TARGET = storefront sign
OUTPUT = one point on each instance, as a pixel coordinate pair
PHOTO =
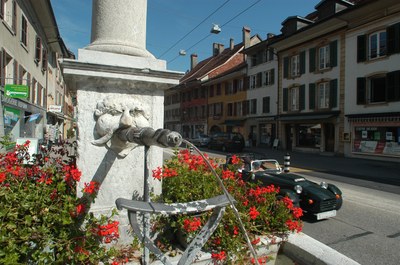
(16, 91)
(54, 108)
(14, 102)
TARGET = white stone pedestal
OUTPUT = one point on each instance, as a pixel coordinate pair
(95, 76)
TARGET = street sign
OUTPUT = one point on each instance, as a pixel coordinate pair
(16, 91)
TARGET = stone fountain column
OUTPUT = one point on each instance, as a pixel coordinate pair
(117, 82)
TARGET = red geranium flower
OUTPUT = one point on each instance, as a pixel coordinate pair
(221, 256)
(92, 187)
(253, 213)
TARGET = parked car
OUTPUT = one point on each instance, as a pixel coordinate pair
(201, 140)
(227, 142)
(320, 200)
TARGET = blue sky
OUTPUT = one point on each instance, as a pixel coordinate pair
(170, 20)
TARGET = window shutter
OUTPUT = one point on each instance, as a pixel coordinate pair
(15, 74)
(393, 86)
(361, 48)
(259, 79)
(14, 17)
(302, 62)
(1, 8)
(361, 90)
(246, 84)
(286, 67)
(311, 96)
(1, 70)
(302, 97)
(266, 104)
(272, 73)
(312, 59)
(393, 39)
(285, 99)
(333, 84)
(333, 53)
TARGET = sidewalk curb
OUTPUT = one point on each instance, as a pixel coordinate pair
(306, 250)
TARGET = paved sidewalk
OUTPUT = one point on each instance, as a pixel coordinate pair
(385, 172)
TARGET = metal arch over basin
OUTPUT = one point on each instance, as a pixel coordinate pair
(216, 205)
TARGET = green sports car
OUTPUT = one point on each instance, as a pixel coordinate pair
(321, 200)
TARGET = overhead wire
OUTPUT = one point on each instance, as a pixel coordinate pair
(198, 25)
(209, 34)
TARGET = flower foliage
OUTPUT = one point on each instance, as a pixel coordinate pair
(186, 177)
(41, 219)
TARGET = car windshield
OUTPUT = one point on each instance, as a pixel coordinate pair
(270, 165)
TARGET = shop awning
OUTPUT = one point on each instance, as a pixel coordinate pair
(233, 122)
(307, 117)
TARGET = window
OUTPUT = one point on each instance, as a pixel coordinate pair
(380, 43)
(294, 98)
(379, 88)
(253, 59)
(376, 89)
(218, 90)
(253, 79)
(377, 45)
(38, 49)
(323, 95)
(238, 108)
(269, 55)
(245, 107)
(24, 31)
(269, 77)
(211, 91)
(9, 14)
(253, 106)
(240, 85)
(266, 104)
(230, 110)
(295, 65)
(323, 57)
(229, 88)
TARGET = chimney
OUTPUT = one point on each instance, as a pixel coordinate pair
(217, 48)
(231, 44)
(193, 61)
(246, 37)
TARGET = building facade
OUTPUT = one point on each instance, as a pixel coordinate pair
(372, 81)
(30, 45)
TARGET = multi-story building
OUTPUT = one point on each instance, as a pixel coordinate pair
(311, 91)
(227, 101)
(262, 95)
(372, 80)
(172, 110)
(30, 77)
(194, 92)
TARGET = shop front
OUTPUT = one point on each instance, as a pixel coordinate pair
(22, 119)
(375, 134)
(312, 133)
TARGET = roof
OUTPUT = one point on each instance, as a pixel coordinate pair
(214, 62)
(45, 14)
(209, 64)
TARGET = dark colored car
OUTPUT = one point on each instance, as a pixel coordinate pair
(227, 142)
(321, 200)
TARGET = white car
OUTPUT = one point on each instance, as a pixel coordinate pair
(201, 140)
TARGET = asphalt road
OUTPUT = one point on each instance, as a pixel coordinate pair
(366, 229)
